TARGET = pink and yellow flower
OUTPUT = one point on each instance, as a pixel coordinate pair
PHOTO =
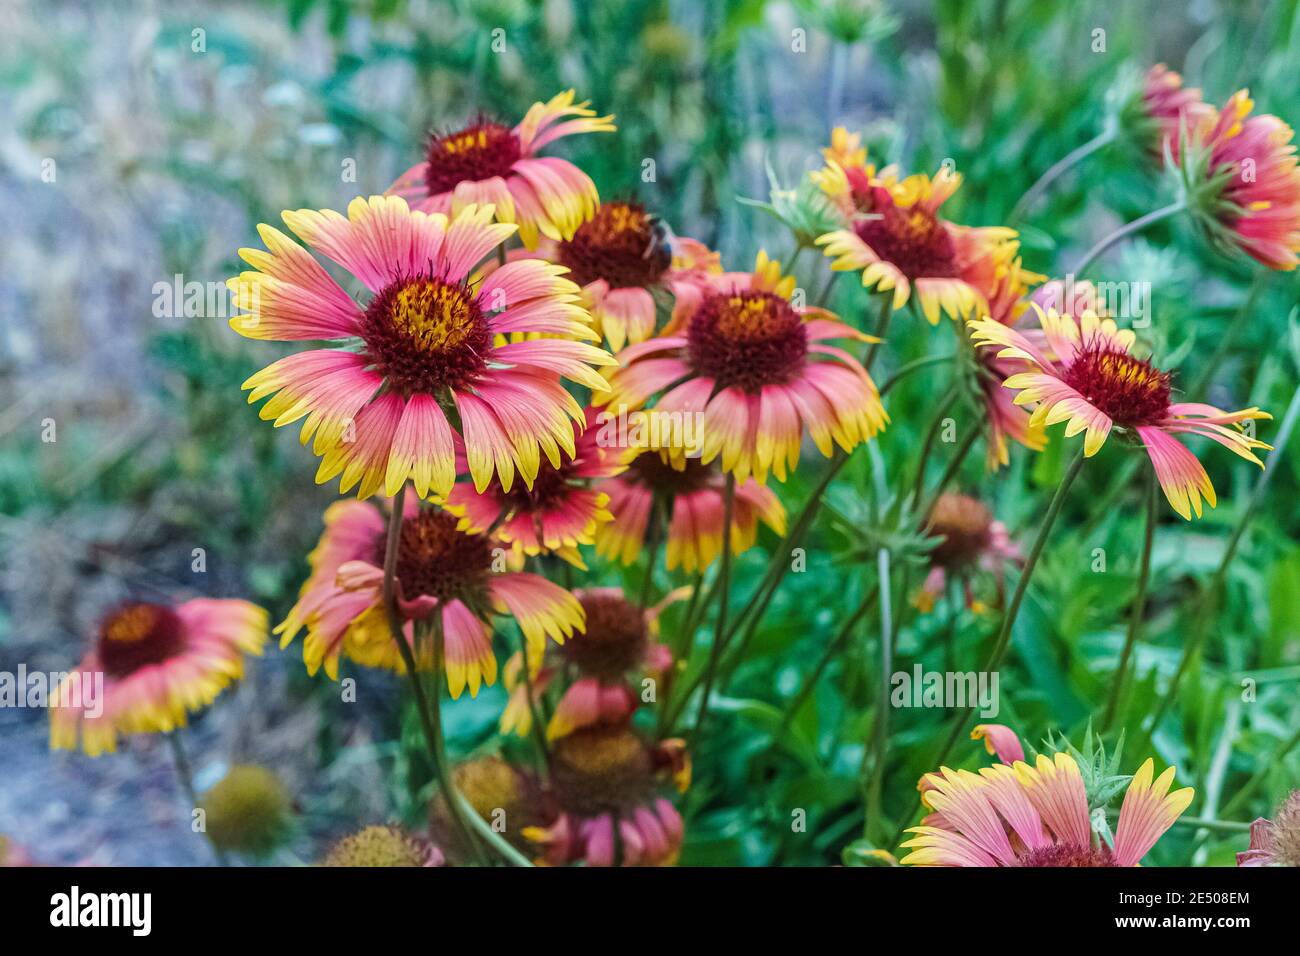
(1275, 842)
(158, 664)
(561, 510)
(489, 163)
(1082, 372)
(1165, 107)
(691, 495)
(1015, 814)
(1252, 181)
(620, 640)
(623, 258)
(440, 570)
(606, 781)
(758, 369)
(895, 237)
(376, 407)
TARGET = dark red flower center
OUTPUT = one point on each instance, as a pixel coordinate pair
(1068, 854)
(479, 151)
(615, 640)
(650, 469)
(425, 335)
(435, 559)
(621, 244)
(552, 486)
(139, 635)
(908, 236)
(1130, 391)
(601, 770)
(965, 527)
(747, 339)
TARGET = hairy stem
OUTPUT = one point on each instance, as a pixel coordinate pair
(1139, 605)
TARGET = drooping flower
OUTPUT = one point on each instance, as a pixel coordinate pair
(383, 846)
(1001, 740)
(895, 237)
(248, 811)
(158, 664)
(606, 779)
(620, 640)
(376, 407)
(1084, 373)
(1037, 816)
(692, 498)
(488, 162)
(439, 570)
(758, 369)
(969, 538)
(623, 258)
(562, 509)
(1275, 842)
(1161, 108)
(1242, 178)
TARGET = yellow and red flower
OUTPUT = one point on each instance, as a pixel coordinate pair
(895, 237)
(488, 162)
(439, 570)
(1243, 176)
(622, 258)
(421, 346)
(758, 369)
(159, 663)
(1015, 814)
(561, 510)
(692, 498)
(1082, 372)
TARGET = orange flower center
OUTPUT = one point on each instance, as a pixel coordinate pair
(1130, 391)
(964, 526)
(435, 559)
(615, 640)
(621, 244)
(139, 635)
(747, 339)
(479, 151)
(908, 236)
(601, 770)
(425, 335)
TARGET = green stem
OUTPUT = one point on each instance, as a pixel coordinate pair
(1242, 795)
(931, 434)
(720, 626)
(1058, 169)
(1013, 609)
(1229, 336)
(909, 368)
(882, 329)
(832, 649)
(880, 737)
(539, 730)
(1139, 605)
(950, 472)
(1126, 230)
(432, 733)
(1201, 622)
(758, 603)
(186, 777)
